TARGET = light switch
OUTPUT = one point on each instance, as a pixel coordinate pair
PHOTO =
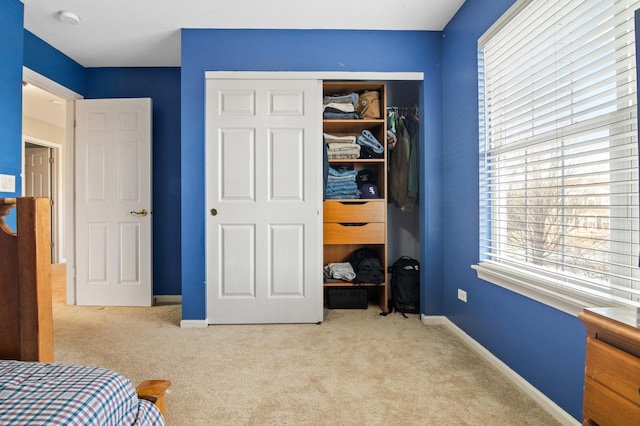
(7, 183)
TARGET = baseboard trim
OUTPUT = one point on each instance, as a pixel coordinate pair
(541, 399)
(194, 324)
(167, 299)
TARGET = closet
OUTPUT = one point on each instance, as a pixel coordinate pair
(263, 131)
(374, 222)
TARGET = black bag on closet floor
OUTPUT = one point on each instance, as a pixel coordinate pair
(405, 286)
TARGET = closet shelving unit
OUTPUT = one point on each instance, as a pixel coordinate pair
(352, 224)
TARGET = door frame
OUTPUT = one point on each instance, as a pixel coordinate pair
(70, 96)
(57, 183)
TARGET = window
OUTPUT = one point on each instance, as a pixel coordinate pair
(559, 153)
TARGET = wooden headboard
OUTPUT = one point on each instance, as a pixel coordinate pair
(26, 326)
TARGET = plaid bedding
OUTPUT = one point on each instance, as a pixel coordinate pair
(34, 393)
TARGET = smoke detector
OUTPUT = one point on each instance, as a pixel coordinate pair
(68, 18)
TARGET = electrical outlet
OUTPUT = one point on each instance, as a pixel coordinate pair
(462, 295)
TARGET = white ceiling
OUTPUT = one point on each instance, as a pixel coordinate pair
(44, 106)
(139, 33)
(143, 33)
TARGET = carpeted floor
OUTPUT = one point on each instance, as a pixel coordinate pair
(356, 368)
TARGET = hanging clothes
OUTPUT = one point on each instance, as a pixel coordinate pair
(412, 125)
(404, 162)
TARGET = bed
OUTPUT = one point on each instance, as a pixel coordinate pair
(33, 389)
(36, 393)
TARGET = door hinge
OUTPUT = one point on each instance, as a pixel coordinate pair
(51, 201)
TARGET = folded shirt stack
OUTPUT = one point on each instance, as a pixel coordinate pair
(342, 147)
(329, 138)
(341, 184)
(336, 151)
(340, 107)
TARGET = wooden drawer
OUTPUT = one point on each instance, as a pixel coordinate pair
(605, 407)
(366, 233)
(617, 370)
(359, 211)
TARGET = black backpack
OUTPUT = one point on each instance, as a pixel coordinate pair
(405, 286)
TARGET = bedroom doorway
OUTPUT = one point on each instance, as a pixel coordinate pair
(55, 102)
(67, 207)
(43, 139)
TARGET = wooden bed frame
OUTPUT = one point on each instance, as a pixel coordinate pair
(26, 313)
(26, 333)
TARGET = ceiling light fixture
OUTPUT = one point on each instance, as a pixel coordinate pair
(68, 18)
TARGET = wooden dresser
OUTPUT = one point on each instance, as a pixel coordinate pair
(612, 373)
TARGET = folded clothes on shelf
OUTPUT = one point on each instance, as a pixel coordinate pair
(340, 106)
(347, 98)
(339, 271)
(334, 115)
(341, 147)
(343, 171)
(329, 138)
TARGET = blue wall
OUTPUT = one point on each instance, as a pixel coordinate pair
(46, 60)
(302, 50)
(11, 17)
(543, 345)
(162, 85)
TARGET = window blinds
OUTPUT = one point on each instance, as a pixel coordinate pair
(559, 147)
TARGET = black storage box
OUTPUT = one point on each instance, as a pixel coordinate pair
(347, 298)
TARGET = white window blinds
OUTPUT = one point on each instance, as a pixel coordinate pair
(559, 148)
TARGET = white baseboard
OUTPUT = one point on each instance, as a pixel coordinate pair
(547, 404)
(168, 299)
(194, 324)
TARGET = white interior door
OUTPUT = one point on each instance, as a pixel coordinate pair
(38, 183)
(113, 202)
(264, 200)
(37, 172)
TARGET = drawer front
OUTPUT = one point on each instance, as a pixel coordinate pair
(617, 370)
(359, 211)
(368, 233)
(605, 407)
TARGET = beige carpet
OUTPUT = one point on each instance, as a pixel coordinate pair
(356, 368)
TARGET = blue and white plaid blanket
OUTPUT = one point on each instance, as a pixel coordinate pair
(33, 393)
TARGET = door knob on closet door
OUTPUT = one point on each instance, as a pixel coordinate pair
(142, 213)
(213, 212)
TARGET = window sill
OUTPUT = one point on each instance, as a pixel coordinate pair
(540, 290)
